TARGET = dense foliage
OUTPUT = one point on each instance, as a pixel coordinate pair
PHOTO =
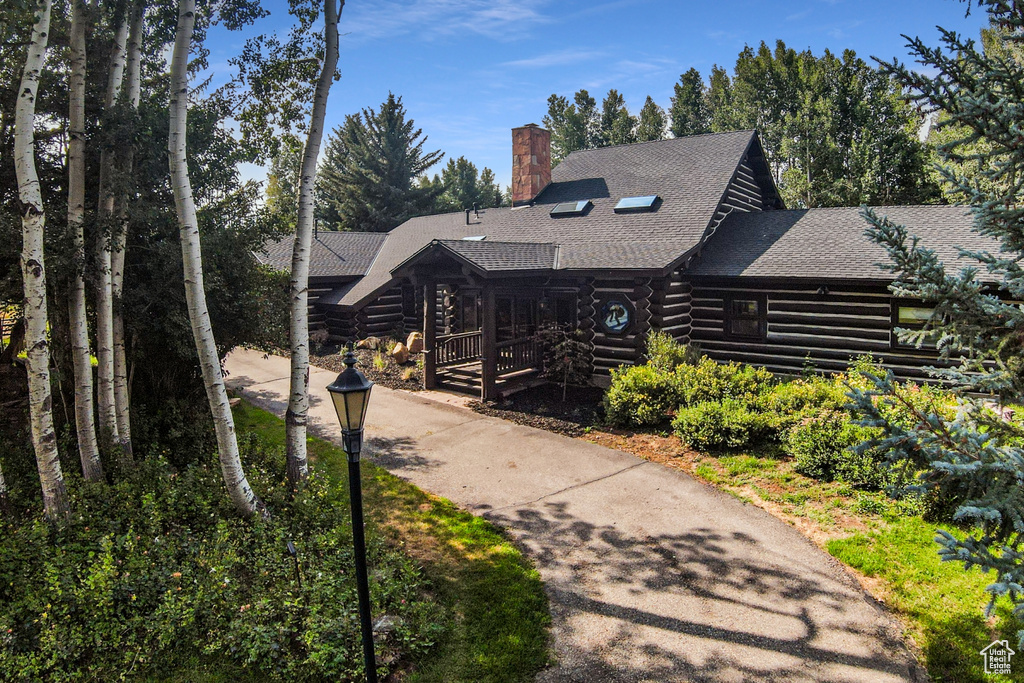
(461, 186)
(717, 407)
(836, 131)
(972, 456)
(157, 570)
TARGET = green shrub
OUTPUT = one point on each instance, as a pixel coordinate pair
(711, 381)
(787, 403)
(717, 425)
(665, 353)
(157, 570)
(822, 446)
(640, 395)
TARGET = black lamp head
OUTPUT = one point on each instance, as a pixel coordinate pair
(351, 395)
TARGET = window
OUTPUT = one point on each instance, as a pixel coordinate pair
(912, 315)
(645, 203)
(570, 208)
(746, 316)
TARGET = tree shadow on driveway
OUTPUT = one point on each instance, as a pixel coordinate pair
(699, 605)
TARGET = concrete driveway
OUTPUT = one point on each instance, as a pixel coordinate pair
(652, 576)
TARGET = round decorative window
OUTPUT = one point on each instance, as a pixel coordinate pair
(615, 315)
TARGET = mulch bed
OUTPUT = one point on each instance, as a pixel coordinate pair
(391, 375)
(543, 407)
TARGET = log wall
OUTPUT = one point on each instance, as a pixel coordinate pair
(828, 330)
(613, 350)
(671, 306)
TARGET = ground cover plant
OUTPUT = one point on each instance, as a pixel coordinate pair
(155, 577)
(793, 447)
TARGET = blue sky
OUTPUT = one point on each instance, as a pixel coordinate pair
(470, 70)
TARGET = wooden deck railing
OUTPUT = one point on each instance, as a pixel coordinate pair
(458, 348)
(519, 354)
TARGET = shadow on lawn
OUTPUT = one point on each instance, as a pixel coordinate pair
(692, 606)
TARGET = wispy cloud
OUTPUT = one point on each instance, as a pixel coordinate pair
(796, 16)
(428, 19)
(559, 58)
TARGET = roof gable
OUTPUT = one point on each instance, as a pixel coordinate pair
(690, 174)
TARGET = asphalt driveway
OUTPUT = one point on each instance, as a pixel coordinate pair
(652, 576)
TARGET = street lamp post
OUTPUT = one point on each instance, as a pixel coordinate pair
(351, 394)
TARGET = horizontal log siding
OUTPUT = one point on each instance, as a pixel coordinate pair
(317, 319)
(831, 329)
(612, 350)
(671, 306)
(382, 317)
(412, 308)
(341, 325)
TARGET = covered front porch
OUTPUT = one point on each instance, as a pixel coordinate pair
(481, 329)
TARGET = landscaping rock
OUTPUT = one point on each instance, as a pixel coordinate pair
(371, 343)
(415, 342)
(400, 353)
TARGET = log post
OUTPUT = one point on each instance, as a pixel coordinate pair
(429, 333)
(489, 345)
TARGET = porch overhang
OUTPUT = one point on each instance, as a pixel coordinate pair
(481, 259)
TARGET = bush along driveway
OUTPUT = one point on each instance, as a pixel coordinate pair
(651, 575)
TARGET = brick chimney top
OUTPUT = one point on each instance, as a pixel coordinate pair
(531, 162)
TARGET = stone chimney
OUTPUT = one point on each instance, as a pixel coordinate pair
(531, 162)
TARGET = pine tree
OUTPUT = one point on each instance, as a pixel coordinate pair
(689, 112)
(973, 461)
(651, 123)
(372, 161)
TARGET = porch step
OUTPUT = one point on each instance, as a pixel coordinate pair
(463, 386)
(462, 371)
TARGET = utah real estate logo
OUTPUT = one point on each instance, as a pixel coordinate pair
(997, 657)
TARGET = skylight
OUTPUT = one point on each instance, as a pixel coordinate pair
(645, 203)
(475, 238)
(570, 208)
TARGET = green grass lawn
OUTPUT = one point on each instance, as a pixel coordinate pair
(498, 612)
(942, 601)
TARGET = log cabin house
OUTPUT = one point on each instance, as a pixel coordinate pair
(687, 235)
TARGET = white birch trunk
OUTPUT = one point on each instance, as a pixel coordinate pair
(33, 221)
(88, 448)
(5, 503)
(122, 399)
(241, 493)
(104, 293)
(297, 416)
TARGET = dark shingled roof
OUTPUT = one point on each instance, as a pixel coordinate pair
(830, 243)
(690, 174)
(504, 256)
(334, 254)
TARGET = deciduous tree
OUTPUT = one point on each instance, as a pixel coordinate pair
(689, 111)
(651, 122)
(297, 415)
(33, 269)
(88, 447)
(241, 492)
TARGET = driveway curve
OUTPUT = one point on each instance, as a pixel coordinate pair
(651, 575)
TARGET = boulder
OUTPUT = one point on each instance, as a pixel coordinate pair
(415, 342)
(371, 343)
(400, 353)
